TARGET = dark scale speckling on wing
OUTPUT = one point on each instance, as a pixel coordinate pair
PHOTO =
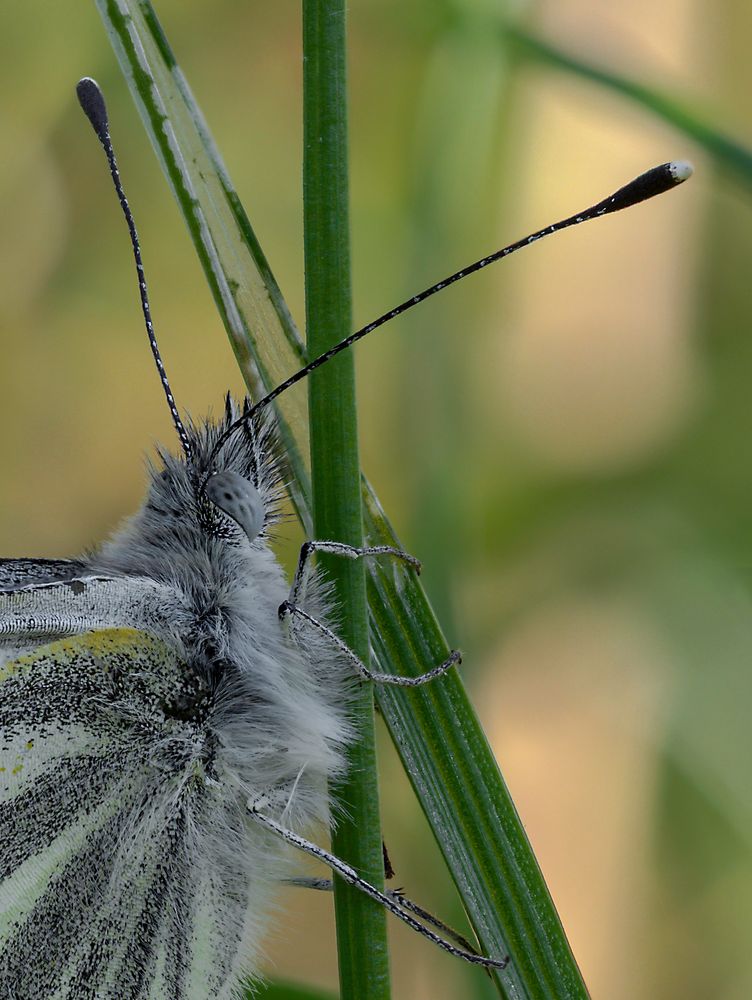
(24, 572)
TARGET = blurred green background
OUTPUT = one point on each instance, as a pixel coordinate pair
(562, 440)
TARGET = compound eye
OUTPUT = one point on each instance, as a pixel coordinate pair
(239, 499)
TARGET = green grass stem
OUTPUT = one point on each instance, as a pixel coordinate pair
(335, 474)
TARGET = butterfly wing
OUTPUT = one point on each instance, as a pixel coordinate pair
(109, 888)
(37, 610)
(22, 572)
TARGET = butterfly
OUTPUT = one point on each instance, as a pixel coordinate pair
(171, 712)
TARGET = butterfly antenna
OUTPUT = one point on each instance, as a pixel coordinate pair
(647, 185)
(91, 100)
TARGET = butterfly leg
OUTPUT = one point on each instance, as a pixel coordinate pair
(326, 885)
(394, 902)
(303, 571)
(291, 609)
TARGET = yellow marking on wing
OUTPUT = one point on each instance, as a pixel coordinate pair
(100, 643)
(103, 642)
(8, 670)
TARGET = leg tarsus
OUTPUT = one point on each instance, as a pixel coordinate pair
(394, 905)
(346, 552)
(288, 609)
(398, 895)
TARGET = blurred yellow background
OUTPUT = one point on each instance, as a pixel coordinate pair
(563, 440)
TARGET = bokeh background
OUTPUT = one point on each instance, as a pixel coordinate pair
(563, 440)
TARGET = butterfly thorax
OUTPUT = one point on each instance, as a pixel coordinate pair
(275, 709)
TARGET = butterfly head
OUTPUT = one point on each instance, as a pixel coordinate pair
(231, 493)
(239, 499)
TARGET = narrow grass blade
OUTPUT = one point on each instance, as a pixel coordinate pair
(262, 332)
(463, 794)
(726, 151)
(435, 730)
